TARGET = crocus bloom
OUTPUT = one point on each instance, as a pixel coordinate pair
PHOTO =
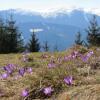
(90, 53)
(21, 71)
(65, 58)
(29, 70)
(47, 90)
(4, 76)
(51, 65)
(8, 69)
(76, 52)
(70, 57)
(25, 93)
(11, 66)
(68, 80)
(84, 58)
(73, 55)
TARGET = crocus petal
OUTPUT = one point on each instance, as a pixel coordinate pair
(51, 65)
(68, 80)
(4, 76)
(25, 93)
(84, 58)
(21, 71)
(29, 70)
(47, 90)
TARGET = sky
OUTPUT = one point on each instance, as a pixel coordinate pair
(50, 5)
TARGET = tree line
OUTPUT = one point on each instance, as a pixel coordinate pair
(93, 34)
(11, 40)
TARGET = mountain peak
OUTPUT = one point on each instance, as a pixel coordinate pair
(54, 12)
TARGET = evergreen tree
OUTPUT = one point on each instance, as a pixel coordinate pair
(2, 36)
(14, 37)
(33, 44)
(78, 40)
(93, 37)
(10, 37)
(46, 46)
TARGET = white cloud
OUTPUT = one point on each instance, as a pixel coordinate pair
(36, 30)
(50, 5)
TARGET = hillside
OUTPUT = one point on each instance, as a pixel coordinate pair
(70, 75)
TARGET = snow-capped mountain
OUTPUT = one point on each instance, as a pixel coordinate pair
(57, 27)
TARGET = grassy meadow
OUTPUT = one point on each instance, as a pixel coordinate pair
(50, 69)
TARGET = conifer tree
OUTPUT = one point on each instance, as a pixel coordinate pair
(93, 31)
(46, 46)
(33, 44)
(3, 39)
(10, 37)
(14, 37)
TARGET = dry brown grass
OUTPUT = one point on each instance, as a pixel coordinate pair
(85, 86)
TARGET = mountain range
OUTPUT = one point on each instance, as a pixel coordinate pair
(58, 28)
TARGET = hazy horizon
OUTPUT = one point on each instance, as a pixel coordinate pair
(50, 5)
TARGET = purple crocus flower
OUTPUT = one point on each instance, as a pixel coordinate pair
(85, 58)
(7, 68)
(65, 58)
(25, 93)
(11, 66)
(68, 80)
(73, 55)
(90, 54)
(9, 71)
(4, 76)
(21, 71)
(76, 52)
(51, 65)
(29, 70)
(70, 57)
(47, 90)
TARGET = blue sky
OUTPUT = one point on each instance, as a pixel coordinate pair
(46, 5)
